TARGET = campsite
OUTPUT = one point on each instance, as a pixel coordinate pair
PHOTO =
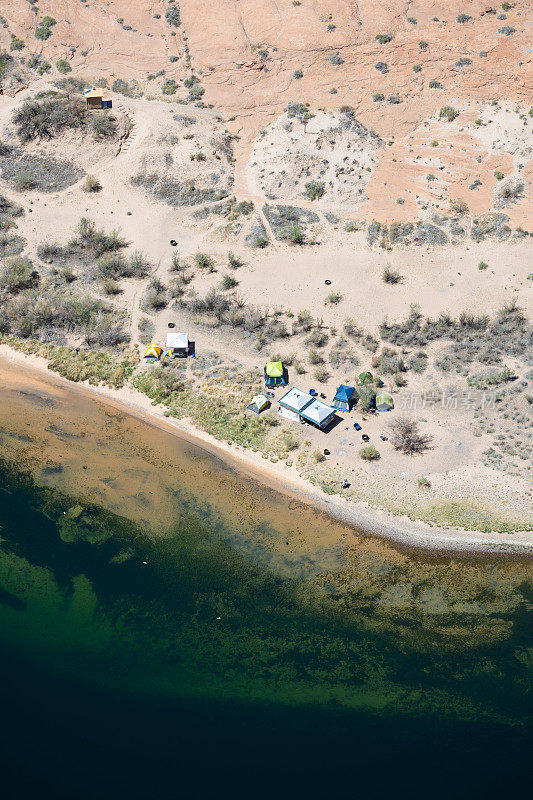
(266, 399)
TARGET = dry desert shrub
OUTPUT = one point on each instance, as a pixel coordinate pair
(406, 437)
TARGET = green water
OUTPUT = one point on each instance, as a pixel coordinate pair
(206, 673)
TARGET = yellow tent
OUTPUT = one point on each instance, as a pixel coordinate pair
(275, 374)
(153, 353)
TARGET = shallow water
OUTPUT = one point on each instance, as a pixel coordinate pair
(261, 645)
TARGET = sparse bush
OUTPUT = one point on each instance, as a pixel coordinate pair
(406, 437)
(234, 261)
(172, 15)
(462, 18)
(424, 483)
(423, 45)
(229, 282)
(399, 379)
(377, 97)
(97, 241)
(317, 338)
(42, 33)
(482, 265)
(369, 453)
(418, 362)
(499, 175)
(10, 244)
(63, 66)
(304, 320)
(334, 298)
(111, 287)
(314, 190)
(384, 38)
(448, 113)
(43, 118)
(156, 295)
(463, 62)
(204, 261)
(294, 233)
(127, 89)
(417, 68)
(315, 357)
(91, 184)
(18, 274)
(169, 86)
(297, 74)
(391, 275)
(435, 84)
(321, 374)
(318, 456)
(103, 125)
(458, 206)
(16, 43)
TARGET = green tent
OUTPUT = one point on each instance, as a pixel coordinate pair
(366, 377)
(275, 374)
(384, 402)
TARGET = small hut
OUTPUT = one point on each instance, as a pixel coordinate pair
(177, 345)
(93, 98)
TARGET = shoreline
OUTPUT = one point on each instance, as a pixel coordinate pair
(402, 531)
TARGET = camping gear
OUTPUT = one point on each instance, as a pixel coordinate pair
(326, 453)
(383, 437)
(312, 392)
(153, 353)
(275, 374)
(343, 397)
(357, 426)
(173, 242)
(384, 402)
(365, 437)
(177, 345)
(322, 395)
(366, 377)
(328, 283)
(171, 325)
(258, 404)
(345, 484)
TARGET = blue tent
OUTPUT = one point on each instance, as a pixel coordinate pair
(343, 397)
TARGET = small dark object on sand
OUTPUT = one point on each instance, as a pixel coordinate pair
(365, 437)
(345, 484)
(322, 395)
(173, 242)
(357, 426)
(328, 283)
(383, 437)
(171, 325)
(326, 452)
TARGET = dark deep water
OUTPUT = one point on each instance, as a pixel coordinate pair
(117, 678)
(339, 665)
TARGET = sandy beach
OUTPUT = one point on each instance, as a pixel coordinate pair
(279, 477)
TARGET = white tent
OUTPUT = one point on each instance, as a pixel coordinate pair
(295, 400)
(259, 403)
(318, 413)
(178, 341)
